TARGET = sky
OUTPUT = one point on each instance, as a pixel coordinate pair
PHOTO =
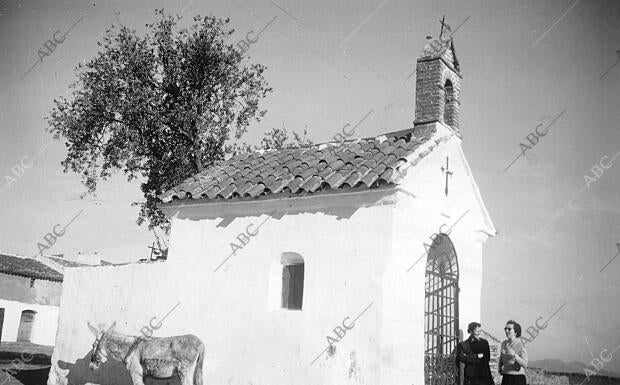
(330, 63)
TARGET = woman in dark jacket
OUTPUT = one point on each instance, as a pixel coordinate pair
(475, 355)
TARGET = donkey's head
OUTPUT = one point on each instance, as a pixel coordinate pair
(100, 353)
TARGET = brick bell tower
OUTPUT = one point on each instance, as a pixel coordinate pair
(438, 84)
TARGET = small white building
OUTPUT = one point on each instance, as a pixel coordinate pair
(344, 263)
(30, 291)
(29, 300)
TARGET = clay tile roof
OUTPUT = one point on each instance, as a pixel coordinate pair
(255, 191)
(28, 268)
(369, 179)
(334, 180)
(352, 180)
(358, 164)
(243, 189)
(293, 185)
(312, 184)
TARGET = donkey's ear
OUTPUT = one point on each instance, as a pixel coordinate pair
(93, 329)
(112, 326)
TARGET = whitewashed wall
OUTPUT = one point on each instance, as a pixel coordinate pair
(420, 210)
(43, 328)
(246, 339)
(357, 249)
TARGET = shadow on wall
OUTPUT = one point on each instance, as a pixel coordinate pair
(354, 203)
(112, 372)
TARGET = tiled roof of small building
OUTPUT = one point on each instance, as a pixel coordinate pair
(27, 267)
(359, 164)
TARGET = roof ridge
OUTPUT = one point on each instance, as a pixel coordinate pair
(254, 174)
(17, 255)
(318, 144)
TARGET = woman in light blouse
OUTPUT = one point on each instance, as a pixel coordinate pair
(513, 357)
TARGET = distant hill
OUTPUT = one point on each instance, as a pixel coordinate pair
(559, 366)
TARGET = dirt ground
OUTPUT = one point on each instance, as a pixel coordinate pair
(24, 363)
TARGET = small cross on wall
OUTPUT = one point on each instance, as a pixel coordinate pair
(448, 173)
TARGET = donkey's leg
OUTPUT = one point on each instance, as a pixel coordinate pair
(135, 371)
(137, 378)
(185, 374)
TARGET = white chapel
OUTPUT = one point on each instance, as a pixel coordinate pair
(344, 263)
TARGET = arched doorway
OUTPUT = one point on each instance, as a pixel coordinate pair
(441, 309)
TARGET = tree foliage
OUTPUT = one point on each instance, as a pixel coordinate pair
(278, 138)
(157, 107)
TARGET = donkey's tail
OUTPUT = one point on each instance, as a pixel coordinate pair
(198, 370)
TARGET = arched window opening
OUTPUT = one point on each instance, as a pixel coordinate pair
(25, 325)
(292, 281)
(448, 109)
(441, 320)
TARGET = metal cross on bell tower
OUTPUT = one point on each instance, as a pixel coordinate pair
(443, 23)
(448, 173)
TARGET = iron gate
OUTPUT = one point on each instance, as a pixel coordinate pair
(441, 309)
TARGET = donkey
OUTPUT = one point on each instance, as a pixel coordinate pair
(157, 357)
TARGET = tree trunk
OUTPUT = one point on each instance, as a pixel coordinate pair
(197, 155)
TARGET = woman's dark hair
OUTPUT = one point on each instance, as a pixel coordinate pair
(472, 326)
(516, 326)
